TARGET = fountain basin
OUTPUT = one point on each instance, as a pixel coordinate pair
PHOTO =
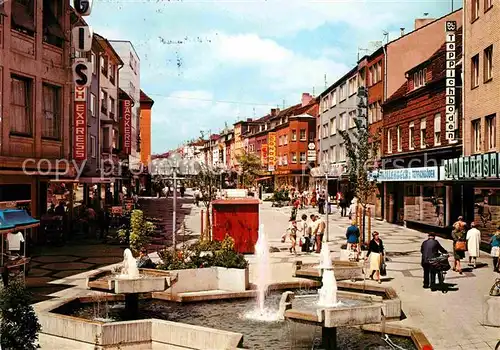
(344, 270)
(149, 281)
(354, 309)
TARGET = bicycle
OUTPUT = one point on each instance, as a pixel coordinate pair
(441, 265)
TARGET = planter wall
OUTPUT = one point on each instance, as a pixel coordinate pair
(210, 278)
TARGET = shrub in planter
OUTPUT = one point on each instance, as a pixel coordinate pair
(140, 232)
(19, 325)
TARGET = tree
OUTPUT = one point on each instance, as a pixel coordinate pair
(361, 147)
(19, 324)
(250, 165)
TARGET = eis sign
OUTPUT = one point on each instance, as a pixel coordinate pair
(82, 75)
(126, 126)
(451, 116)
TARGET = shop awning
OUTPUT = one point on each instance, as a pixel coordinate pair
(263, 178)
(16, 219)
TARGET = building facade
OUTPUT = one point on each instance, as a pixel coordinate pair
(35, 100)
(337, 113)
(416, 145)
(478, 169)
(130, 80)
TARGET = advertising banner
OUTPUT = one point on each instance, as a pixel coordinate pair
(80, 130)
(271, 151)
(126, 126)
(263, 154)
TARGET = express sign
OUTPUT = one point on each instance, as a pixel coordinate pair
(126, 126)
(80, 131)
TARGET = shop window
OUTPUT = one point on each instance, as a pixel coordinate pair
(423, 133)
(22, 17)
(411, 136)
(21, 106)
(425, 204)
(333, 126)
(389, 141)
(302, 157)
(491, 135)
(399, 139)
(302, 135)
(437, 129)
(474, 71)
(53, 33)
(51, 124)
(474, 10)
(476, 136)
(488, 63)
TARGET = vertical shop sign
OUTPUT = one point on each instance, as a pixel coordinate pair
(271, 155)
(126, 126)
(451, 116)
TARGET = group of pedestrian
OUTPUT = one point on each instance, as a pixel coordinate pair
(310, 232)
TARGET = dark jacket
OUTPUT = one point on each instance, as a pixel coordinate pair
(352, 234)
(431, 249)
(373, 247)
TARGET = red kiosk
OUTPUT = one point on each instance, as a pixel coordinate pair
(239, 218)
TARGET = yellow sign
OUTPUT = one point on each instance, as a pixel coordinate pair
(271, 151)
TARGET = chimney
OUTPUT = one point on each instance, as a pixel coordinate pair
(273, 112)
(402, 31)
(420, 22)
(249, 119)
(306, 98)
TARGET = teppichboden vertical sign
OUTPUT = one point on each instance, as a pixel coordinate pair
(82, 75)
(451, 115)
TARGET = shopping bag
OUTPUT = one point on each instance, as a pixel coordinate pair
(383, 268)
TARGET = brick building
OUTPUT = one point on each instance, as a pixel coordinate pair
(35, 99)
(478, 169)
(414, 124)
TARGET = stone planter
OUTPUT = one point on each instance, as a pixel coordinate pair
(209, 278)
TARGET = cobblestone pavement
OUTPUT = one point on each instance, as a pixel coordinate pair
(49, 264)
(450, 321)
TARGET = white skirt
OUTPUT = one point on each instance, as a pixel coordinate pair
(375, 261)
(495, 251)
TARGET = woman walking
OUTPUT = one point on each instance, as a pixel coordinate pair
(376, 254)
(495, 250)
(459, 243)
(473, 241)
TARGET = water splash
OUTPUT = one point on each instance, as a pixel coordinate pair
(263, 268)
(328, 292)
(129, 269)
(261, 313)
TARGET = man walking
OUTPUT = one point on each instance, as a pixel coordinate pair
(319, 232)
(430, 249)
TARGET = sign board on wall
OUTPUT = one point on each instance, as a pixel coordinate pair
(82, 38)
(82, 72)
(271, 155)
(451, 115)
(126, 126)
(82, 7)
(80, 130)
(408, 174)
(479, 166)
(263, 154)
